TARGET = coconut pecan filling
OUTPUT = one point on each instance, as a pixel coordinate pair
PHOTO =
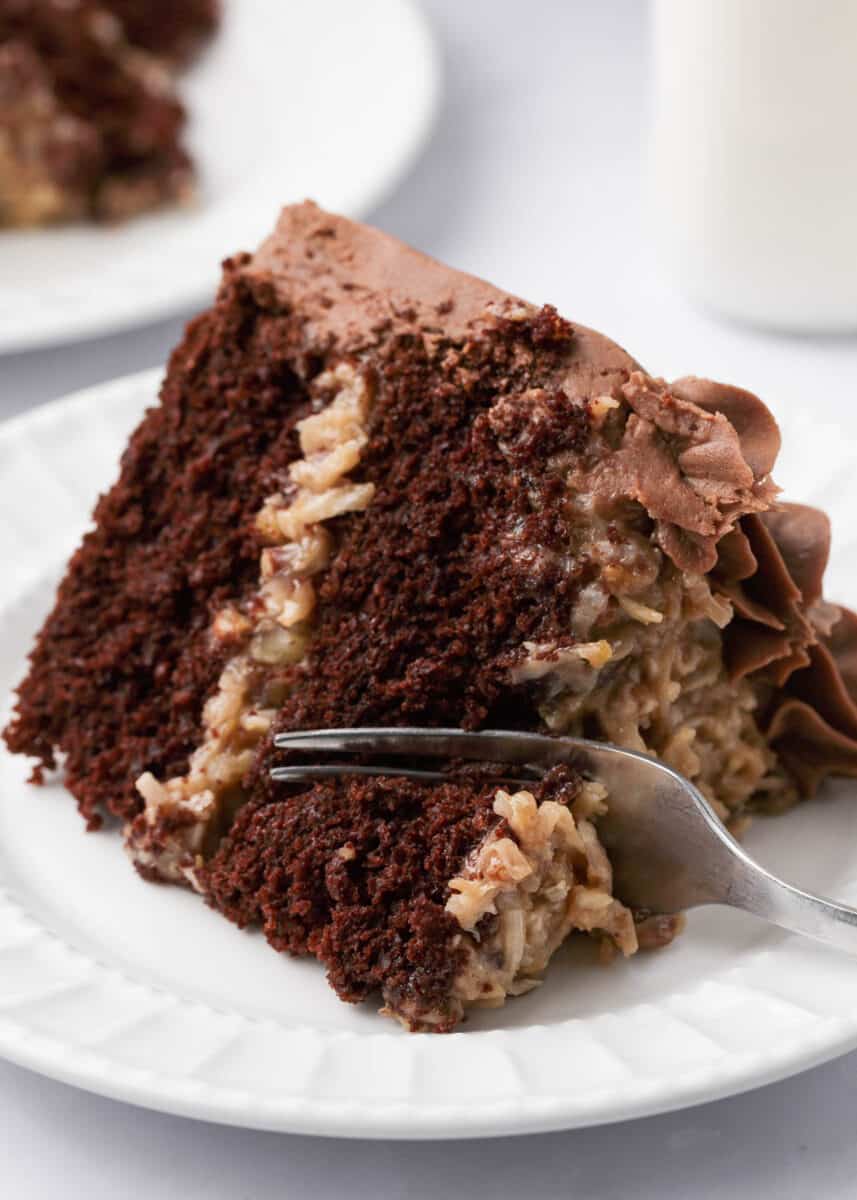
(656, 681)
(643, 665)
(540, 874)
(184, 817)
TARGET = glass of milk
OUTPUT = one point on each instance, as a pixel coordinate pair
(755, 157)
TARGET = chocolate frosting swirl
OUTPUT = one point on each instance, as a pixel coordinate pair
(693, 468)
(799, 651)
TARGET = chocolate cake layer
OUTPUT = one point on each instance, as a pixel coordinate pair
(378, 491)
(122, 667)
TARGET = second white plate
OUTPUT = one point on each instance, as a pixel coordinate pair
(328, 100)
(142, 993)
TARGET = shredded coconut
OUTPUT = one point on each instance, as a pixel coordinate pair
(562, 661)
(545, 877)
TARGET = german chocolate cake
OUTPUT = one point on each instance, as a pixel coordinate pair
(376, 491)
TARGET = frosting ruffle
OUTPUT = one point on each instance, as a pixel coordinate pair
(697, 457)
(799, 651)
(812, 720)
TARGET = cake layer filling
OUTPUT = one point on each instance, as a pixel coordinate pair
(268, 633)
(539, 875)
(662, 688)
(660, 483)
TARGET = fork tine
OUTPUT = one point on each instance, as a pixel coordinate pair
(486, 745)
(334, 770)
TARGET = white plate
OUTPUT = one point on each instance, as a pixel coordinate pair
(142, 993)
(326, 99)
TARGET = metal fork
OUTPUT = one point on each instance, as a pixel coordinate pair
(669, 850)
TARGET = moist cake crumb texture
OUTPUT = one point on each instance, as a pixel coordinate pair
(377, 491)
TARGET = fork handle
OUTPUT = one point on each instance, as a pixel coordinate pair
(765, 896)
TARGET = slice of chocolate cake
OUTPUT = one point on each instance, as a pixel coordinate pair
(90, 125)
(377, 491)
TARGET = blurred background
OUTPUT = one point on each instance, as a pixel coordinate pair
(573, 159)
(540, 174)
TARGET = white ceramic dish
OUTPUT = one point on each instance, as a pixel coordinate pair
(329, 100)
(142, 993)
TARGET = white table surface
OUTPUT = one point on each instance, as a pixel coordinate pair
(536, 179)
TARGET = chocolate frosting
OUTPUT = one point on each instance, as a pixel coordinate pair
(813, 720)
(688, 466)
(354, 285)
(697, 455)
(800, 651)
(351, 283)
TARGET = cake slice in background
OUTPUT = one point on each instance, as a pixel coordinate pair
(90, 123)
(378, 491)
